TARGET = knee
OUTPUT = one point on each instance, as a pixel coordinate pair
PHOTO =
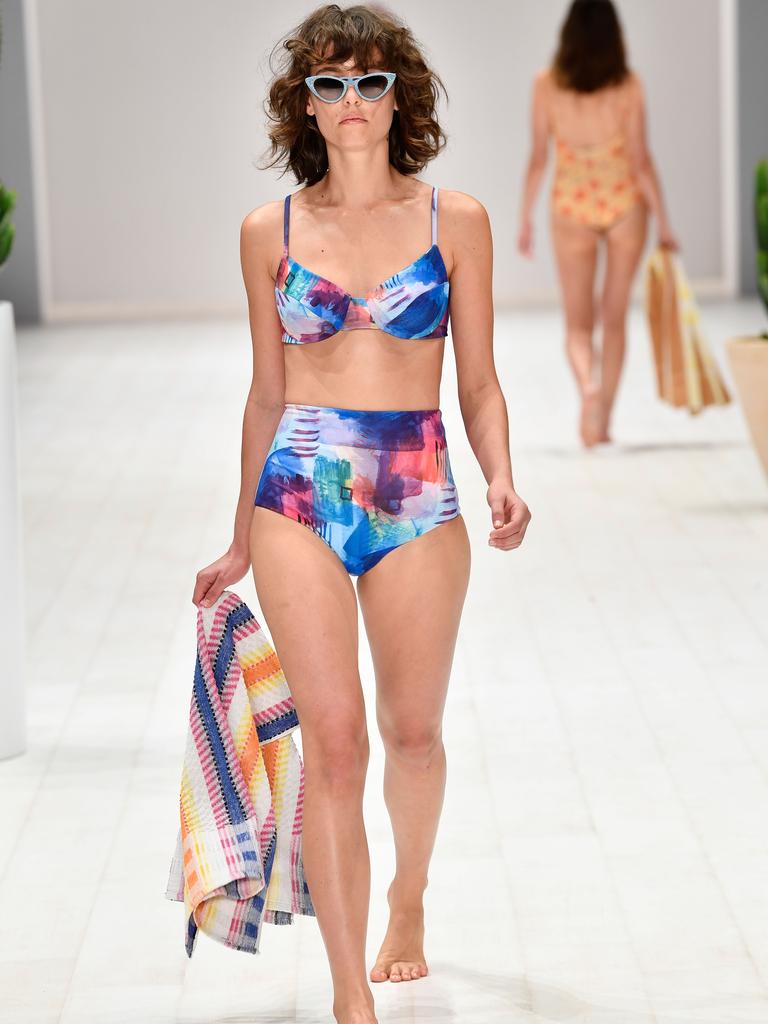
(412, 741)
(613, 316)
(337, 757)
(578, 333)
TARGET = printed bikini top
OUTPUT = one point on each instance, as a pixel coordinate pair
(413, 303)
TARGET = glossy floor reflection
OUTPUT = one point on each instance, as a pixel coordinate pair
(602, 854)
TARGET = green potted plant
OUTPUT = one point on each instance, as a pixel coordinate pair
(748, 357)
(7, 203)
(7, 230)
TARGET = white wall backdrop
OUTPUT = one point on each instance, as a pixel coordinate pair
(149, 120)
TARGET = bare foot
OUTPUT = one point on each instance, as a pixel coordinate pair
(591, 423)
(356, 1017)
(359, 1011)
(401, 957)
(604, 434)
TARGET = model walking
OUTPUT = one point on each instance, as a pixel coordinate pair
(344, 455)
(604, 185)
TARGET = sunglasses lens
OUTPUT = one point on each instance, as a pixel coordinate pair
(329, 89)
(373, 86)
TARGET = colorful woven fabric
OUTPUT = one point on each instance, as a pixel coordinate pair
(238, 860)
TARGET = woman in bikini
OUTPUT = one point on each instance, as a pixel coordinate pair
(604, 186)
(345, 467)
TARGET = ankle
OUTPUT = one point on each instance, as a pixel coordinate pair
(364, 1015)
(406, 894)
(353, 1004)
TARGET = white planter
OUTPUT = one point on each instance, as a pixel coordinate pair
(12, 616)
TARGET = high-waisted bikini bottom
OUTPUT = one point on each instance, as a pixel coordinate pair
(365, 481)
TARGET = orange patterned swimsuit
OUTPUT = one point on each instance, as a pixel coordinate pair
(593, 185)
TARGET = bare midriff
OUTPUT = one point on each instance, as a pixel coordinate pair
(365, 369)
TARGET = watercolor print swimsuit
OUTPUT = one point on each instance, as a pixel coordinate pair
(593, 185)
(365, 481)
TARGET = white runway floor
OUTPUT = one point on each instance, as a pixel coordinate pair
(603, 853)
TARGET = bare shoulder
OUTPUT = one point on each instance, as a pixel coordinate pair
(261, 235)
(543, 80)
(633, 85)
(260, 223)
(464, 225)
(463, 211)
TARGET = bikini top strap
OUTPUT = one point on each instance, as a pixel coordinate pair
(434, 214)
(286, 215)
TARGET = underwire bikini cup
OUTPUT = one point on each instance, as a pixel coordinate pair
(412, 303)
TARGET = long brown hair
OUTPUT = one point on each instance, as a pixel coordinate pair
(333, 33)
(591, 52)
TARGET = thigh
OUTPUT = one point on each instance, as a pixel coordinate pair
(411, 602)
(625, 242)
(575, 248)
(310, 607)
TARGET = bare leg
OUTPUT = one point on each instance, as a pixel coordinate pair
(625, 242)
(411, 603)
(576, 256)
(309, 604)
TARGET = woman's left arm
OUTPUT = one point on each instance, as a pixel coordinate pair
(643, 165)
(482, 403)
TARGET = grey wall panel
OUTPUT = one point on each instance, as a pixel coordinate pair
(152, 116)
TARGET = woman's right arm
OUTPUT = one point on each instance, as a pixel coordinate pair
(537, 162)
(642, 163)
(260, 235)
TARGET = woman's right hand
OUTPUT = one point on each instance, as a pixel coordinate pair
(525, 238)
(216, 577)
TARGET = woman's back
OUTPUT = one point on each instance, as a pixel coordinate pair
(589, 118)
(593, 183)
(590, 102)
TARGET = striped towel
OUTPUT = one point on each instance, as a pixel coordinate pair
(238, 852)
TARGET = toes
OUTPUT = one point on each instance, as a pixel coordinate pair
(417, 971)
(407, 972)
(399, 971)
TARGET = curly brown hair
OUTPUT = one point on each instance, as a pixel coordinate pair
(334, 33)
(591, 53)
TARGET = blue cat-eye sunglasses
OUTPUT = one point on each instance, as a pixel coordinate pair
(332, 88)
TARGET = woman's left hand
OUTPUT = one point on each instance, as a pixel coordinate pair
(509, 514)
(666, 239)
